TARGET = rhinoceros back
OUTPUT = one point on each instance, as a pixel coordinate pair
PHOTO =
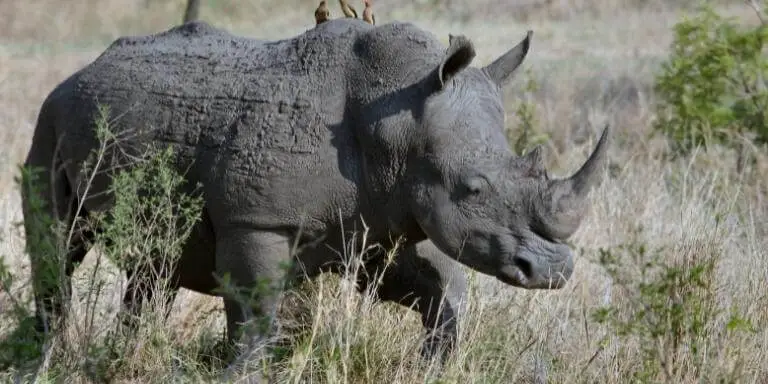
(260, 106)
(250, 119)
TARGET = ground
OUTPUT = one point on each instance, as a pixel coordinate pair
(594, 63)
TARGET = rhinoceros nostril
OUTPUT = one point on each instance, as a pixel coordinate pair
(524, 266)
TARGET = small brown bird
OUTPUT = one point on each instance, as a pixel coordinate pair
(322, 14)
(368, 13)
(347, 9)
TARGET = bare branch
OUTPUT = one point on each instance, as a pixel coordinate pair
(757, 8)
(192, 12)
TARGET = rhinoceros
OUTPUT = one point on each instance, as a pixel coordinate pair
(295, 141)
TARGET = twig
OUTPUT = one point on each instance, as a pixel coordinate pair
(591, 359)
(47, 354)
(756, 7)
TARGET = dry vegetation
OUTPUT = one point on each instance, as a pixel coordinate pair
(594, 62)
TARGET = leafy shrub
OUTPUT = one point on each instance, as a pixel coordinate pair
(713, 85)
(528, 135)
(151, 218)
(671, 311)
(151, 214)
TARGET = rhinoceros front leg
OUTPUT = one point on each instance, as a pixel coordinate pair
(426, 280)
(256, 263)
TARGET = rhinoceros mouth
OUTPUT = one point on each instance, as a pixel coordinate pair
(514, 276)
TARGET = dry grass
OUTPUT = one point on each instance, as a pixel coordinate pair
(594, 61)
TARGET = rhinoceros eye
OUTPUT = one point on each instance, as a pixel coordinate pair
(475, 184)
(540, 231)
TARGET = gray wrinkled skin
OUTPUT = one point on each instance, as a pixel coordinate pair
(293, 140)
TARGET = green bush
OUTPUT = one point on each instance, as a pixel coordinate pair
(145, 230)
(670, 310)
(527, 135)
(712, 88)
(152, 215)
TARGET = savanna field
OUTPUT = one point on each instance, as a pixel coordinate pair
(671, 259)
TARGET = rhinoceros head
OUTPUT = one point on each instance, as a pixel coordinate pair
(493, 211)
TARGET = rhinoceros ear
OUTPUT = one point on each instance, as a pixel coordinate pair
(458, 56)
(501, 69)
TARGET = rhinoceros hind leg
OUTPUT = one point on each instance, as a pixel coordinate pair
(51, 291)
(52, 297)
(257, 263)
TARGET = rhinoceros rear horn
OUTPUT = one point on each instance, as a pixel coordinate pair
(568, 196)
(501, 69)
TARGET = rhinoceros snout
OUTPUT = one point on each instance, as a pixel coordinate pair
(524, 273)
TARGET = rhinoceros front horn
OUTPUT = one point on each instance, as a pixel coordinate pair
(568, 196)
